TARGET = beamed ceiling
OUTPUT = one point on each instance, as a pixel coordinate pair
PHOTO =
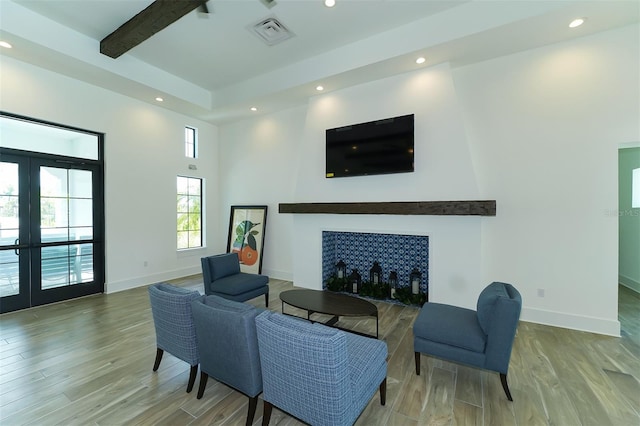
(210, 66)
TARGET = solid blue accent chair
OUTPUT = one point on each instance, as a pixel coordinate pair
(222, 277)
(482, 338)
(175, 331)
(319, 374)
(228, 346)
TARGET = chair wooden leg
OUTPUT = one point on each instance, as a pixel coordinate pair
(253, 403)
(505, 386)
(192, 377)
(266, 299)
(383, 392)
(159, 354)
(266, 415)
(203, 383)
(417, 354)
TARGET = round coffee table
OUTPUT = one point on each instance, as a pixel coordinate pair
(327, 302)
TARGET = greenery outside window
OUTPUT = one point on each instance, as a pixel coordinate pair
(190, 136)
(189, 212)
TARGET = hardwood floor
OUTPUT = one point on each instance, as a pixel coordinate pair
(88, 362)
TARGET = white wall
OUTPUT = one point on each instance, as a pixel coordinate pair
(538, 131)
(545, 126)
(144, 152)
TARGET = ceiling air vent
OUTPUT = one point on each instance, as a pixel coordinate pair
(271, 31)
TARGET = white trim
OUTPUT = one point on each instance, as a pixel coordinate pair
(573, 322)
(278, 275)
(630, 283)
(114, 287)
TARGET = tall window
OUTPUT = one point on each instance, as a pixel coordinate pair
(190, 136)
(189, 212)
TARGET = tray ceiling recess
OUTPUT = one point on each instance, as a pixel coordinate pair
(158, 16)
(153, 19)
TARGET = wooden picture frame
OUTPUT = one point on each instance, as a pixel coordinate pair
(247, 226)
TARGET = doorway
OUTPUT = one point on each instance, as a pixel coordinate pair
(51, 216)
(629, 239)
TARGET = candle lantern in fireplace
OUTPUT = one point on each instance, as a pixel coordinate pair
(393, 284)
(341, 269)
(415, 278)
(354, 282)
(375, 274)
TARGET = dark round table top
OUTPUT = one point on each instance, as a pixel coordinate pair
(327, 302)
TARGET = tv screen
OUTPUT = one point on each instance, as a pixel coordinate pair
(373, 148)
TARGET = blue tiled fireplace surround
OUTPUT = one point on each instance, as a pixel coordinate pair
(394, 252)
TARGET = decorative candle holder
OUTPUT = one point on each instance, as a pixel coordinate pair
(375, 273)
(414, 280)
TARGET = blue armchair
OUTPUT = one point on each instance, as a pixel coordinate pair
(228, 346)
(321, 375)
(173, 321)
(222, 277)
(482, 338)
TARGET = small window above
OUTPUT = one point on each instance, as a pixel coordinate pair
(190, 142)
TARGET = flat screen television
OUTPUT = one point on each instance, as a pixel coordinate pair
(374, 148)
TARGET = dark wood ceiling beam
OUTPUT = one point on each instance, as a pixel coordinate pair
(154, 18)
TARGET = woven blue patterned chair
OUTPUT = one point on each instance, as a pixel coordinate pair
(222, 277)
(228, 346)
(482, 338)
(173, 321)
(321, 375)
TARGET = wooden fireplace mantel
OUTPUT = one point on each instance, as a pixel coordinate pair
(439, 208)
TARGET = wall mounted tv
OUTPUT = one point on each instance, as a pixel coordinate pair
(374, 148)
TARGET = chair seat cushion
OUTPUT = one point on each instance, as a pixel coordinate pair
(367, 366)
(450, 325)
(239, 283)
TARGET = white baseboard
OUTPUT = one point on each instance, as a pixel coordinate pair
(629, 283)
(116, 286)
(279, 275)
(573, 322)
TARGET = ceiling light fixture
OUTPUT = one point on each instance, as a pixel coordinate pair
(420, 60)
(159, 99)
(329, 3)
(5, 44)
(319, 88)
(254, 109)
(577, 22)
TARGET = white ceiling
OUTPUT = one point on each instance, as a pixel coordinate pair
(213, 68)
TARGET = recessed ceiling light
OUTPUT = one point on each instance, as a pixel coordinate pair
(420, 60)
(159, 99)
(5, 44)
(254, 109)
(319, 88)
(577, 22)
(329, 3)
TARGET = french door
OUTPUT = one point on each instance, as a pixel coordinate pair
(51, 232)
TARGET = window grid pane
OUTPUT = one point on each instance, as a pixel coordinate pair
(190, 142)
(189, 217)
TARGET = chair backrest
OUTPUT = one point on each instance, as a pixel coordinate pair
(498, 309)
(227, 342)
(219, 266)
(305, 368)
(173, 320)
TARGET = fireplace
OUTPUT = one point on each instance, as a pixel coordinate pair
(403, 254)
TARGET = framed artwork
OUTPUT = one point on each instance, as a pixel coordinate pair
(246, 236)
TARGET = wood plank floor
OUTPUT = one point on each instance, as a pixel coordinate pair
(88, 362)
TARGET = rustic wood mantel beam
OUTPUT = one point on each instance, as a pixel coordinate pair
(154, 18)
(440, 208)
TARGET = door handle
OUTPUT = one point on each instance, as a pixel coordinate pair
(17, 243)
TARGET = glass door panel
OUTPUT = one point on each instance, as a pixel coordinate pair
(14, 233)
(9, 228)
